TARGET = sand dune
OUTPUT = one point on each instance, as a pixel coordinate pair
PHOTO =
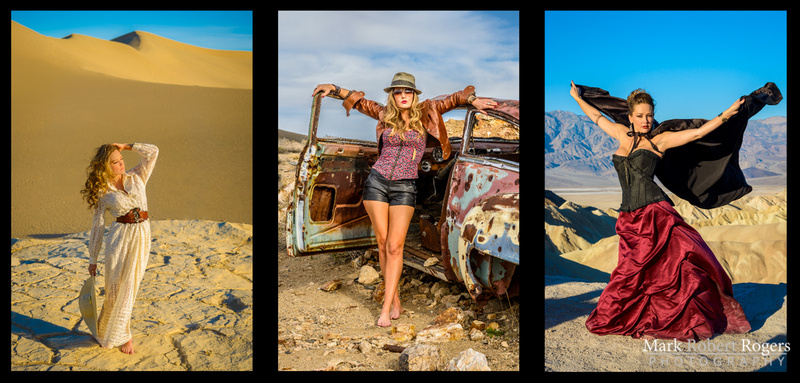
(746, 211)
(573, 227)
(748, 236)
(68, 96)
(139, 56)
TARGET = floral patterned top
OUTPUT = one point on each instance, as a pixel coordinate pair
(400, 159)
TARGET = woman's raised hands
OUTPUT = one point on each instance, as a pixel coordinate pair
(574, 91)
(324, 88)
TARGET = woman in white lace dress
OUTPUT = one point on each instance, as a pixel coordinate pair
(127, 246)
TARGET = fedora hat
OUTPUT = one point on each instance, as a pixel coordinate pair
(402, 80)
(87, 301)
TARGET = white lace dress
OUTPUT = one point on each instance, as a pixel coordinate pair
(127, 249)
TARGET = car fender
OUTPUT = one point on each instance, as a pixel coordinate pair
(492, 229)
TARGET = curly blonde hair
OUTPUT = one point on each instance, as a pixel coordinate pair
(98, 174)
(393, 119)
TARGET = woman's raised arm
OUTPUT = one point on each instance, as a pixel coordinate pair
(611, 128)
(330, 89)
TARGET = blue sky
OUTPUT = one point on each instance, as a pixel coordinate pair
(694, 64)
(445, 51)
(228, 30)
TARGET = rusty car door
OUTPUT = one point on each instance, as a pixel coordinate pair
(326, 211)
(480, 234)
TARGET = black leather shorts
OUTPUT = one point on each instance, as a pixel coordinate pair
(399, 192)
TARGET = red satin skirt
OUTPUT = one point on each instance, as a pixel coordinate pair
(667, 283)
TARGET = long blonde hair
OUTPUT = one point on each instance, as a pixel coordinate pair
(393, 119)
(98, 174)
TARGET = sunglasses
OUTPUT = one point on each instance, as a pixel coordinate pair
(399, 91)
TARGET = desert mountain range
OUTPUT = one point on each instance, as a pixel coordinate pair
(70, 95)
(578, 153)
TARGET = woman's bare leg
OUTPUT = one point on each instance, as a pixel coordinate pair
(379, 216)
(399, 219)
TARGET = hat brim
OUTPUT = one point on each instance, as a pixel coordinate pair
(400, 83)
(389, 89)
(87, 302)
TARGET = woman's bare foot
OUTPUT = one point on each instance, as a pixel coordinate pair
(396, 309)
(384, 320)
(127, 347)
(394, 313)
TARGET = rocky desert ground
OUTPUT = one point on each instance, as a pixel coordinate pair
(336, 330)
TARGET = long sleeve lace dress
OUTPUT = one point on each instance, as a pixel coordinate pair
(127, 249)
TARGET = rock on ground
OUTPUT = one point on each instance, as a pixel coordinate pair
(420, 357)
(469, 360)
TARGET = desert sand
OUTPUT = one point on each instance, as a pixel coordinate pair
(70, 95)
(748, 237)
(194, 310)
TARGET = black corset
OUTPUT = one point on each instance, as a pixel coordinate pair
(636, 178)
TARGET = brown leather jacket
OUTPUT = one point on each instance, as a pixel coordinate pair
(432, 111)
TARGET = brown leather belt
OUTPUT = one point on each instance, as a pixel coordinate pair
(133, 216)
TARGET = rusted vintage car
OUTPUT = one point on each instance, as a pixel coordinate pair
(467, 214)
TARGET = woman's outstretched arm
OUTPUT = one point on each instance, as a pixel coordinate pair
(611, 128)
(670, 140)
(350, 98)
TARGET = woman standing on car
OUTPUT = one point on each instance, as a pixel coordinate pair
(404, 127)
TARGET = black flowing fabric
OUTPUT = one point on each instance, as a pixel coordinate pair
(705, 172)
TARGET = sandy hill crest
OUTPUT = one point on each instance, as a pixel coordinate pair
(153, 58)
(748, 237)
(131, 39)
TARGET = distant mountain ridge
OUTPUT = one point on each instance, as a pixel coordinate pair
(578, 153)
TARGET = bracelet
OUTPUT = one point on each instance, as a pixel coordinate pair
(337, 89)
(471, 98)
(597, 120)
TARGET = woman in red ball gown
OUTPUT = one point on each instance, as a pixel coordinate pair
(667, 284)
